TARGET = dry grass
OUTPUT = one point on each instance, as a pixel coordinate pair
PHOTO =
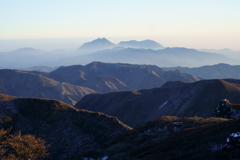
(21, 147)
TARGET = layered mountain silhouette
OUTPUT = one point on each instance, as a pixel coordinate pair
(119, 75)
(68, 130)
(27, 50)
(147, 44)
(69, 84)
(96, 45)
(101, 49)
(167, 57)
(218, 71)
(227, 52)
(174, 98)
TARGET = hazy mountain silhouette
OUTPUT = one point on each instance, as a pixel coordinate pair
(27, 49)
(147, 44)
(174, 98)
(68, 130)
(103, 50)
(227, 52)
(218, 71)
(168, 57)
(39, 69)
(96, 45)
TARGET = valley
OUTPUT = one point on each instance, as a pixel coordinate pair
(126, 101)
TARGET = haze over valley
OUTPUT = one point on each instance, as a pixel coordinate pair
(134, 52)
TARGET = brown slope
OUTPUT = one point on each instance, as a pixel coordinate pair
(173, 138)
(105, 84)
(29, 84)
(67, 129)
(172, 99)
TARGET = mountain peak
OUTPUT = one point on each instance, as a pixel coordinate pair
(147, 44)
(96, 45)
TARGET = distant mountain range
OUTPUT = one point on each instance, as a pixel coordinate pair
(101, 49)
(68, 130)
(175, 98)
(227, 52)
(146, 44)
(39, 69)
(69, 84)
(218, 71)
(27, 49)
(168, 57)
(123, 74)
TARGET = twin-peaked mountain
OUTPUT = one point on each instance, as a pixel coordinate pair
(178, 98)
(101, 49)
(103, 43)
(69, 84)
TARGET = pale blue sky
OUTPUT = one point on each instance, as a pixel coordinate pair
(184, 23)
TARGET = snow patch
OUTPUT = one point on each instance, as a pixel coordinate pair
(104, 158)
(235, 134)
(163, 104)
(177, 123)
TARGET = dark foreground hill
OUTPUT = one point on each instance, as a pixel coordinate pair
(171, 138)
(175, 98)
(68, 130)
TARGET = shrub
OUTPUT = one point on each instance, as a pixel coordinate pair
(21, 147)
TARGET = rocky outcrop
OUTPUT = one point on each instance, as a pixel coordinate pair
(226, 109)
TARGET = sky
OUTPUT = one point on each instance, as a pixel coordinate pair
(55, 24)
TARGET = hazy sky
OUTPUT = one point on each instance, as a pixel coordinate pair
(181, 23)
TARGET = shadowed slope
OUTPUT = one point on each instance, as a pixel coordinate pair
(172, 99)
(173, 138)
